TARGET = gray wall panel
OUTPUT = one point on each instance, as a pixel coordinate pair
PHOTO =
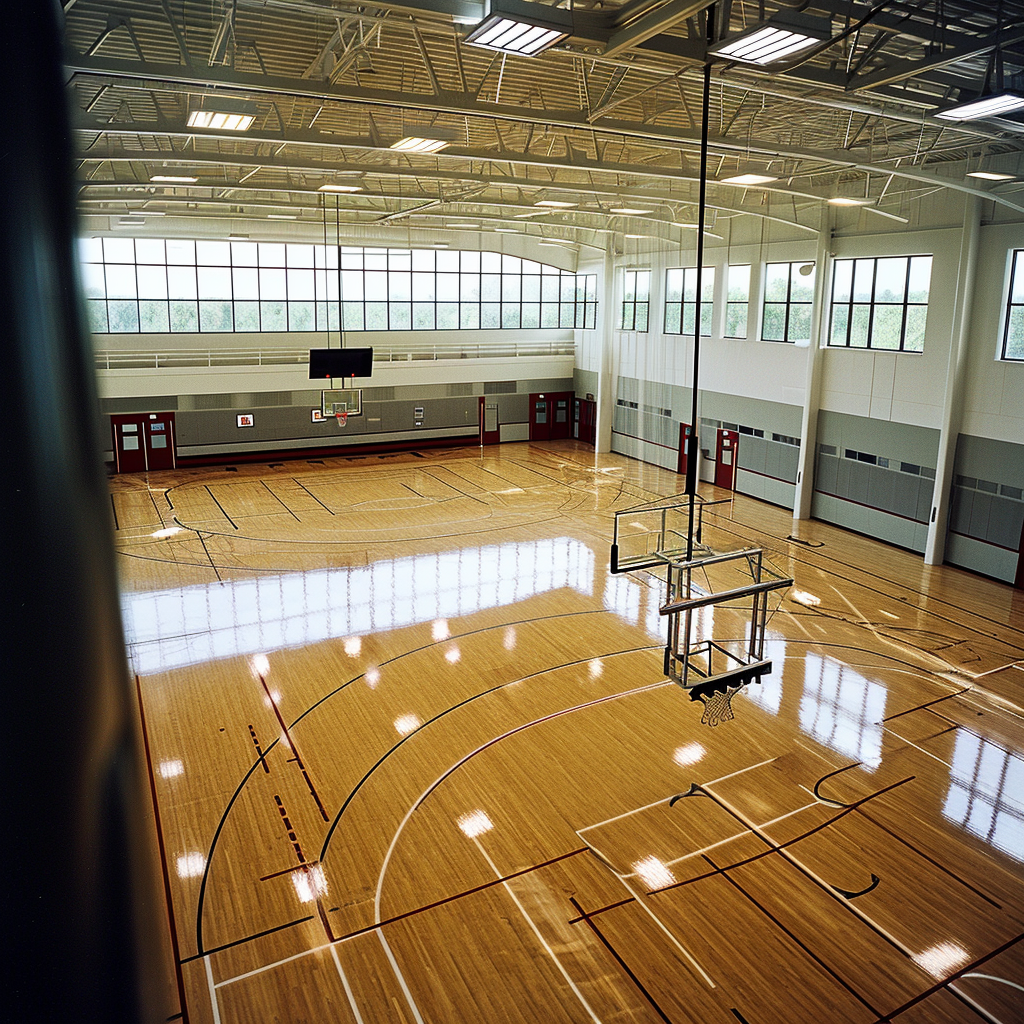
(979, 516)
(826, 474)
(1004, 522)
(882, 489)
(905, 493)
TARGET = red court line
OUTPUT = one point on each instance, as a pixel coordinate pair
(163, 859)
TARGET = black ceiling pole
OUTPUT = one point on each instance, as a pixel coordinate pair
(693, 444)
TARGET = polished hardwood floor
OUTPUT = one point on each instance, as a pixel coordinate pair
(414, 757)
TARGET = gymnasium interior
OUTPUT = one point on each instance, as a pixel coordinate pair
(515, 511)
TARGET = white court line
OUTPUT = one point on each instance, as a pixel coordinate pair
(992, 977)
(400, 977)
(910, 743)
(348, 988)
(647, 807)
(977, 1007)
(270, 967)
(540, 938)
(213, 990)
(651, 914)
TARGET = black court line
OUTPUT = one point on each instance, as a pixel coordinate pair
(414, 491)
(213, 564)
(618, 959)
(248, 938)
(179, 976)
(955, 976)
(220, 506)
(280, 502)
(114, 508)
(156, 508)
(922, 707)
(311, 494)
(724, 872)
(458, 490)
(739, 1016)
(245, 778)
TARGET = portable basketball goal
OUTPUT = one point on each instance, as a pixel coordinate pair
(660, 539)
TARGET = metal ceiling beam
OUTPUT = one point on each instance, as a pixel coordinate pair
(904, 69)
(653, 24)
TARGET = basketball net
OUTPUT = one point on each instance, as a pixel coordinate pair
(718, 706)
(342, 418)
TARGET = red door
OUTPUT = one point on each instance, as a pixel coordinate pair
(725, 467)
(684, 441)
(143, 441)
(540, 418)
(583, 419)
(489, 430)
(561, 425)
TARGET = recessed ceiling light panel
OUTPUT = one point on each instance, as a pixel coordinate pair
(847, 201)
(748, 179)
(985, 106)
(340, 188)
(526, 29)
(173, 179)
(556, 204)
(415, 144)
(990, 176)
(779, 38)
(627, 210)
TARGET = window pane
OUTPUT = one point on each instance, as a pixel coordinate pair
(352, 285)
(90, 250)
(181, 253)
(119, 250)
(120, 282)
(422, 315)
(299, 255)
(447, 262)
(97, 309)
(247, 316)
(705, 319)
(774, 327)
(920, 277)
(510, 288)
(891, 280)
(448, 287)
(470, 262)
(643, 284)
(150, 250)
(300, 316)
(840, 322)
(776, 283)
(214, 283)
(273, 316)
(510, 316)
(490, 313)
(469, 287)
(887, 326)
(423, 259)
(215, 316)
(842, 280)
(549, 316)
(153, 316)
(801, 288)
(531, 288)
(184, 316)
(799, 322)
(352, 314)
(531, 314)
(423, 287)
(272, 285)
(399, 259)
(567, 314)
(469, 316)
(689, 310)
(448, 316)
(246, 283)
(93, 281)
(641, 317)
(672, 317)
(490, 262)
(400, 316)
(590, 319)
(271, 254)
(300, 284)
(399, 286)
(863, 275)
(490, 287)
(736, 320)
(376, 316)
(244, 254)
(152, 282)
(213, 254)
(181, 282)
(859, 326)
(567, 288)
(673, 285)
(738, 283)
(914, 339)
(333, 315)
(124, 316)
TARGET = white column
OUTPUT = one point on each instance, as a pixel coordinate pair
(608, 311)
(812, 379)
(956, 371)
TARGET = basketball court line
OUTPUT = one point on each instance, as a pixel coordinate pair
(540, 938)
(348, 988)
(213, 990)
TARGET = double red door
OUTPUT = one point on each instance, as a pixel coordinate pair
(143, 441)
(549, 416)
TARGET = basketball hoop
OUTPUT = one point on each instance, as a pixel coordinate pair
(342, 418)
(717, 705)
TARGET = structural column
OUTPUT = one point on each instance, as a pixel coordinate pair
(956, 372)
(606, 374)
(812, 381)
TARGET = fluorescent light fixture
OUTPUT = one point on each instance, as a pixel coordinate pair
(282, 216)
(131, 222)
(509, 231)
(463, 227)
(779, 38)
(173, 179)
(636, 236)
(340, 188)
(438, 245)
(534, 213)
(415, 144)
(748, 179)
(556, 204)
(847, 201)
(513, 26)
(238, 238)
(984, 106)
(217, 120)
(990, 176)
(627, 210)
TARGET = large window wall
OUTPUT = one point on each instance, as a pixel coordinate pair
(145, 286)
(1013, 325)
